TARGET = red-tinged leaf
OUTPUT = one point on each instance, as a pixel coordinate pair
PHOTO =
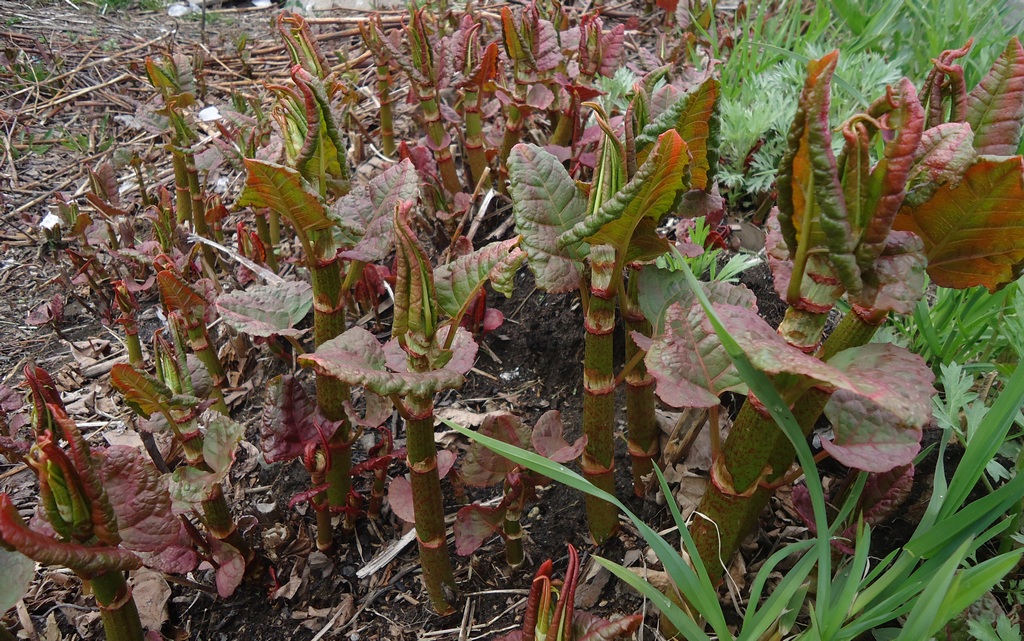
(819, 288)
(539, 97)
(282, 190)
(612, 46)
(84, 560)
(885, 492)
(812, 209)
(415, 295)
(482, 467)
(400, 499)
(493, 319)
(287, 420)
(548, 441)
(145, 394)
(176, 294)
(458, 281)
(17, 570)
(688, 361)
(995, 108)
(867, 436)
(587, 627)
(945, 154)
(652, 192)
(138, 493)
(474, 524)
(695, 117)
(889, 177)
(668, 5)
(660, 288)
(545, 203)
(267, 310)
(230, 567)
(973, 233)
(357, 358)
(103, 183)
(896, 280)
(364, 217)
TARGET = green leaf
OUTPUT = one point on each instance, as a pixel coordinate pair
(17, 570)
(695, 117)
(190, 485)
(458, 281)
(974, 233)
(282, 190)
(357, 358)
(995, 108)
(267, 310)
(545, 203)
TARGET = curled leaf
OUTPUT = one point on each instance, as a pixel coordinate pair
(995, 108)
(458, 281)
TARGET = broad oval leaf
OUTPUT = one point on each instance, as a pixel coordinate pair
(400, 499)
(282, 190)
(867, 436)
(548, 441)
(974, 233)
(546, 203)
(230, 567)
(482, 467)
(689, 363)
(358, 358)
(660, 288)
(995, 108)
(458, 281)
(138, 493)
(267, 310)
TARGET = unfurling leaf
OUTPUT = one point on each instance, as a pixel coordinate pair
(192, 485)
(945, 154)
(364, 217)
(546, 203)
(176, 294)
(357, 358)
(476, 523)
(974, 233)
(646, 198)
(287, 421)
(415, 296)
(812, 208)
(690, 364)
(282, 190)
(995, 108)
(267, 310)
(482, 467)
(458, 281)
(145, 394)
(695, 117)
(84, 560)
